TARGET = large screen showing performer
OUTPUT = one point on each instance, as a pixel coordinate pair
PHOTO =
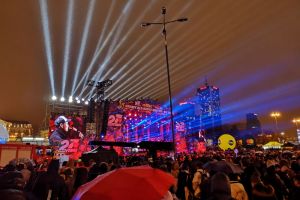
(67, 134)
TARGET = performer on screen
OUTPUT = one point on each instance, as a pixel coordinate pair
(61, 132)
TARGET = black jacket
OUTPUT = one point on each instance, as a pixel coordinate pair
(57, 136)
(50, 183)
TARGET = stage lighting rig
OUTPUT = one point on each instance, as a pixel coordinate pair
(100, 86)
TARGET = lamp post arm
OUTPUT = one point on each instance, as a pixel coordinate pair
(144, 24)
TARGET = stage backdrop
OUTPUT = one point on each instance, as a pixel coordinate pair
(136, 121)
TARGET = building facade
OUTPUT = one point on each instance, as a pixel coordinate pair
(18, 130)
(253, 124)
(210, 111)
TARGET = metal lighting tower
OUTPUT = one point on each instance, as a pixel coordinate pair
(164, 32)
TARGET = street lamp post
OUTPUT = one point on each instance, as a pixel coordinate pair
(164, 32)
(296, 121)
(275, 115)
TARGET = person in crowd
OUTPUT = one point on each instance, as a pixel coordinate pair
(246, 179)
(12, 180)
(183, 181)
(260, 190)
(197, 180)
(69, 180)
(220, 187)
(80, 177)
(12, 194)
(285, 172)
(238, 191)
(295, 191)
(274, 179)
(103, 168)
(12, 186)
(50, 185)
(296, 165)
(26, 173)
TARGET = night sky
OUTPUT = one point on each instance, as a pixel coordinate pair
(249, 49)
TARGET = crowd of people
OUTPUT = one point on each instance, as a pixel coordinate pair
(271, 175)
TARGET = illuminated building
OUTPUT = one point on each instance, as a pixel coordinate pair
(18, 129)
(253, 124)
(186, 126)
(186, 114)
(209, 105)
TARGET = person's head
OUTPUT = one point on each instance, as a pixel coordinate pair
(12, 194)
(53, 167)
(284, 165)
(65, 164)
(68, 172)
(298, 160)
(63, 123)
(220, 184)
(255, 178)
(103, 167)
(12, 180)
(297, 181)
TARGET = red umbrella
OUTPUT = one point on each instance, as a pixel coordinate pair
(134, 183)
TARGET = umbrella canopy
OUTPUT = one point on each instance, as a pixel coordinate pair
(259, 152)
(223, 166)
(127, 183)
(288, 144)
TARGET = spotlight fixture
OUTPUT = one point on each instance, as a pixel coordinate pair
(78, 101)
(54, 98)
(86, 102)
(100, 86)
(104, 84)
(62, 99)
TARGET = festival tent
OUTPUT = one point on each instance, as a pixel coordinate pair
(272, 145)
